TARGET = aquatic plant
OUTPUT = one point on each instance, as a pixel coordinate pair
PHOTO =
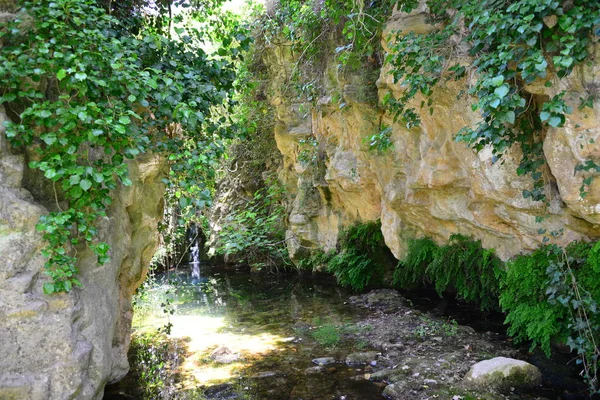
(327, 335)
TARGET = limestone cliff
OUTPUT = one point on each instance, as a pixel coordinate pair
(68, 346)
(426, 184)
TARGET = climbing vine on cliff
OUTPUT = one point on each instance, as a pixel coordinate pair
(88, 95)
(510, 44)
(507, 45)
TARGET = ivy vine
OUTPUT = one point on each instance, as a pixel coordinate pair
(511, 44)
(88, 95)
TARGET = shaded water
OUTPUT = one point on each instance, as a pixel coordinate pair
(270, 322)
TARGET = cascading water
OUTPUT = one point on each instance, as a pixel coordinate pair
(194, 253)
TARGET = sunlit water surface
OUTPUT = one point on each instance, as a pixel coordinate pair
(266, 320)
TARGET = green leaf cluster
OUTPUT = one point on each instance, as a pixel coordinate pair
(509, 44)
(539, 293)
(254, 230)
(361, 256)
(88, 95)
(461, 265)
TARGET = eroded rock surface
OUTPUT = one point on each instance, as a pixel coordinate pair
(426, 184)
(68, 346)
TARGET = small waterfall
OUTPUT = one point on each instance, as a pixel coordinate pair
(194, 252)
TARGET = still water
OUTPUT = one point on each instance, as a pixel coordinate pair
(236, 335)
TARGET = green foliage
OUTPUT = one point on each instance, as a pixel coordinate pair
(361, 256)
(255, 229)
(349, 30)
(431, 328)
(553, 294)
(327, 335)
(461, 265)
(411, 271)
(314, 261)
(154, 359)
(381, 141)
(88, 96)
(512, 44)
(530, 316)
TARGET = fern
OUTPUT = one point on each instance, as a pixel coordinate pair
(537, 293)
(462, 265)
(362, 256)
(469, 269)
(421, 252)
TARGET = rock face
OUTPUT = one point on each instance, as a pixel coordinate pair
(426, 184)
(501, 374)
(68, 346)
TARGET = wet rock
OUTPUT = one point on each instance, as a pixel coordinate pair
(387, 300)
(265, 374)
(362, 358)
(222, 391)
(503, 373)
(395, 391)
(382, 374)
(358, 378)
(314, 370)
(323, 360)
(223, 355)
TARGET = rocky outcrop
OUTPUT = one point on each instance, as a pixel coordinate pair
(427, 184)
(67, 346)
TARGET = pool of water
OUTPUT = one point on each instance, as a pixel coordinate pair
(236, 335)
(269, 328)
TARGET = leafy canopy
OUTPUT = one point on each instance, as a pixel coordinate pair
(88, 95)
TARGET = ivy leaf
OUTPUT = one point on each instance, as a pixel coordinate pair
(50, 173)
(501, 91)
(495, 103)
(75, 192)
(74, 179)
(81, 76)
(44, 114)
(98, 177)
(85, 184)
(498, 80)
(555, 122)
(48, 288)
(544, 116)
(60, 75)
(510, 117)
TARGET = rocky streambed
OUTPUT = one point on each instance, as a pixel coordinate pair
(240, 336)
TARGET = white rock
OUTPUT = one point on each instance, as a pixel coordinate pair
(502, 373)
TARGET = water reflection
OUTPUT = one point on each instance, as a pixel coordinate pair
(250, 335)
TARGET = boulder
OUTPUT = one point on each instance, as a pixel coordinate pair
(501, 374)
